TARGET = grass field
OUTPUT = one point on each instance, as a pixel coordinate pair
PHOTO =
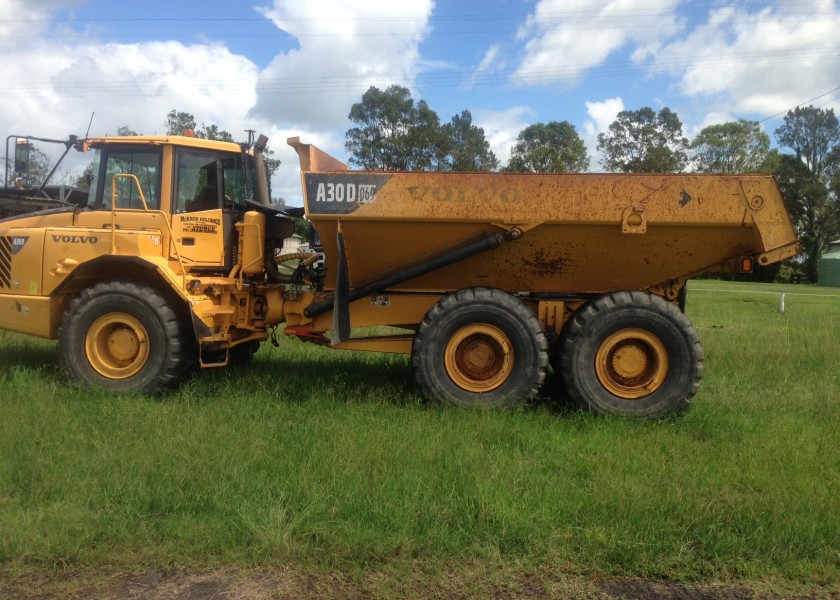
(332, 461)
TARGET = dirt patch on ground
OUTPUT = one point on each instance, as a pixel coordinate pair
(287, 583)
(644, 589)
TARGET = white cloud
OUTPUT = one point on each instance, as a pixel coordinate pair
(601, 115)
(54, 83)
(27, 18)
(344, 48)
(757, 62)
(564, 39)
(286, 181)
(52, 88)
(502, 127)
(490, 61)
(712, 118)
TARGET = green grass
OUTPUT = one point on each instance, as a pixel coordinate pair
(332, 460)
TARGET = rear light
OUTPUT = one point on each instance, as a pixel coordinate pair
(745, 264)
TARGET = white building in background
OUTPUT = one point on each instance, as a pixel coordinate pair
(291, 244)
(828, 268)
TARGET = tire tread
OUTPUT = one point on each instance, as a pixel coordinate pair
(175, 362)
(577, 331)
(479, 296)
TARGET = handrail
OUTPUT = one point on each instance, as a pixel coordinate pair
(163, 215)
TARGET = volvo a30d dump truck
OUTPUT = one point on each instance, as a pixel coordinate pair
(483, 279)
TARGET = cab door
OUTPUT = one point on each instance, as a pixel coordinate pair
(200, 228)
(209, 196)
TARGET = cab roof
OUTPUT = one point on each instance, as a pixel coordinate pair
(160, 140)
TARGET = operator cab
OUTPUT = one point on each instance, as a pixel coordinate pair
(199, 186)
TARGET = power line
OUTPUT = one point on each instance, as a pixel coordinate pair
(452, 78)
(663, 65)
(603, 21)
(697, 9)
(800, 104)
(433, 33)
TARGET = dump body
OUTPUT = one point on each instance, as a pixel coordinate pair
(581, 234)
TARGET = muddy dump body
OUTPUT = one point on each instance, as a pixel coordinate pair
(590, 233)
(494, 275)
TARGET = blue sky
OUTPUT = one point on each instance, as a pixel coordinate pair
(285, 67)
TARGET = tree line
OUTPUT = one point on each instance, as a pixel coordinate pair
(393, 132)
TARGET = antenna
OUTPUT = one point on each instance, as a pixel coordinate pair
(89, 123)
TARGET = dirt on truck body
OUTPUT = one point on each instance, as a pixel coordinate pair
(175, 262)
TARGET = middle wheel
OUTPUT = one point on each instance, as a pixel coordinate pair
(480, 347)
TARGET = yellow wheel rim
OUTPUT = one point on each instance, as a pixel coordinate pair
(479, 357)
(117, 345)
(632, 363)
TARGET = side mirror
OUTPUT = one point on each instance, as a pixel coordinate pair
(21, 156)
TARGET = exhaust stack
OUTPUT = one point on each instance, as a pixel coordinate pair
(259, 164)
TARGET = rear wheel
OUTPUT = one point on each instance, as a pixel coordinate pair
(631, 354)
(480, 347)
(123, 336)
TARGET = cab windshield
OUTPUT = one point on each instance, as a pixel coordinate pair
(143, 163)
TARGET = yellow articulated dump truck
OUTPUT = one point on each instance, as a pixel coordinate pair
(175, 261)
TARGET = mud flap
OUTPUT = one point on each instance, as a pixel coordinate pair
(341, 306)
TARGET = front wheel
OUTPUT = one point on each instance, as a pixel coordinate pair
(631, 354)
(123, 336)
(480, 347)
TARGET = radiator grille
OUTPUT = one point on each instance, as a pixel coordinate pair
(5, 261)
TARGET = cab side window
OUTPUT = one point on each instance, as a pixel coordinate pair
(143, 164)
(198, 182)
(209, 180)
(234, 181)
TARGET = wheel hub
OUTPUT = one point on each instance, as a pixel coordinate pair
(632, 363)
(117, 345)
(123, 343)
(479, 357)
(629, 361)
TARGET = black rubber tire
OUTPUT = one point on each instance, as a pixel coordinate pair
(480, 307)
(606, 317)
(166, 358)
